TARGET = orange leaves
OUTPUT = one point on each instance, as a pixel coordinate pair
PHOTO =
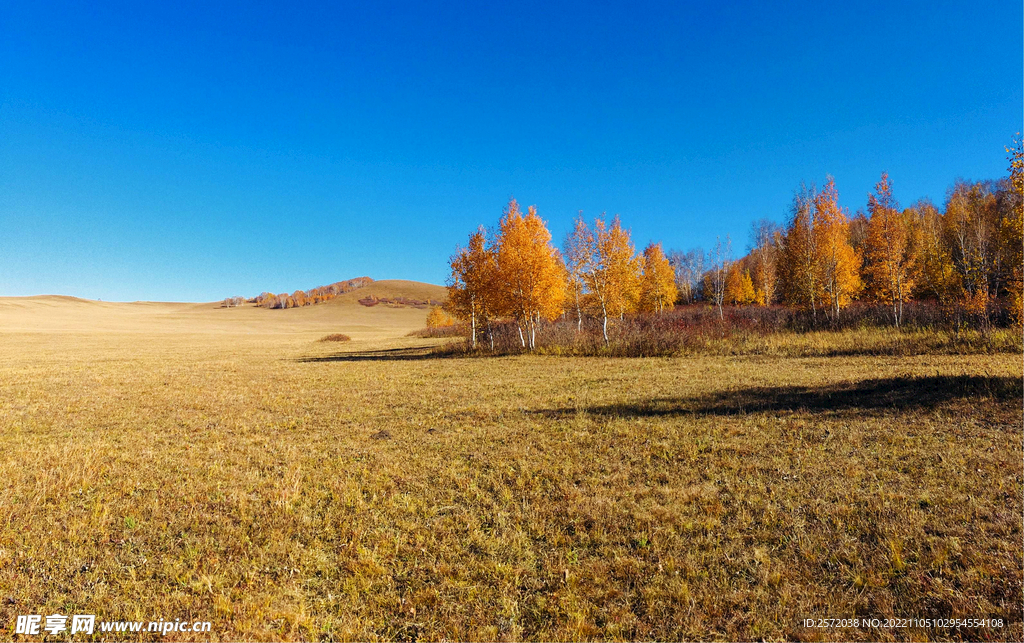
(1013, 231)
(739, 287)
(519, 274)
(800, 255)
(472, 289)
(579, 250)
(317, 295)
(531, 284)
(820, 267)
(615, 274)
(658, 283)
(888, 250)
(438, 318)
(838, 264)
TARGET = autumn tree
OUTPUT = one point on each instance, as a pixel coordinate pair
(972, 225)
(613, 277)
(800, 255)
(739, 288)
(838, 263)
(889, 250)
(765, 258)
(858, 231)
(720, 260)
(689, 270)
(578, 251)
(472, 287)
(658, 284)
(438, 318)
(531, 275)
(937, 277)
(1013, 230)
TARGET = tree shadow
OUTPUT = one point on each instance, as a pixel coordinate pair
(414, 353)
(892, 394)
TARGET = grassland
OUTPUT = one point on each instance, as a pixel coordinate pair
(186, 461)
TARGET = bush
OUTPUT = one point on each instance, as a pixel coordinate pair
(862, 328)
(438, 318)
(455, 330)
(336, 337)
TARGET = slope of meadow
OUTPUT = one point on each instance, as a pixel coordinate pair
(69, 315)
(195, 462)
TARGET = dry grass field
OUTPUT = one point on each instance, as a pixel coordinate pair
(195, 462)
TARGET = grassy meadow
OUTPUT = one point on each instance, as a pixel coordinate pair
(203, 463)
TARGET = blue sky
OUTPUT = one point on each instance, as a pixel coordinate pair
(192, 151)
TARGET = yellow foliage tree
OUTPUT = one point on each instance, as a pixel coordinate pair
(800, 255)
(658, 282)
(438, 318)
(889, 251)
(613, 278)
(937, 276)
(531, 276)
(971, 230)
(472, 287)
(578, 251)
(739, 287)
(767, 241)
(838, 263)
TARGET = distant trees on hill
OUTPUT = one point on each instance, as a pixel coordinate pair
(967, 258)
(298, 298)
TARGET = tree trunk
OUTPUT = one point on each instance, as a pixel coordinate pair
(604, 312)
(522, 339)
(579, 314)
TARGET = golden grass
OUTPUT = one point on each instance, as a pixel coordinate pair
(173, 461)
(869, 341)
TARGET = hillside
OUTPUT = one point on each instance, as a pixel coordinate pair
(61, 314)
(394, 289)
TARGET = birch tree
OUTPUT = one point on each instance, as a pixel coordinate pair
(888, 251)
(578, 251)
(658, 285)
(531, 276)
(472, 290)
(614, 275)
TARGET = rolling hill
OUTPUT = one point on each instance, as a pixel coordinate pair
(344, 314)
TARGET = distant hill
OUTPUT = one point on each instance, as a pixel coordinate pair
(301, 298)
(343, 314)
(395, 292)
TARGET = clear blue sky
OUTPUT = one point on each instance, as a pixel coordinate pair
(191, 151)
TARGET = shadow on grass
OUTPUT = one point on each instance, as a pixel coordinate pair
(384, 355)
(897, 393)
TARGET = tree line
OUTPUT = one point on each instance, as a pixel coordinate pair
(966, 257)
(517, 274)
(299, 298)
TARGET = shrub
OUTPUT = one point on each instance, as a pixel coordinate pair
(336, 337)
(438, 318)
(863, 328)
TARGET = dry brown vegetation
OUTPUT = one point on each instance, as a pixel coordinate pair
(197, 462)
(336, 337)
